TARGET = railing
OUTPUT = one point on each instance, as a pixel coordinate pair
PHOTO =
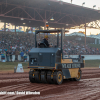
(86, 57)
(4, 59)
(26, 58)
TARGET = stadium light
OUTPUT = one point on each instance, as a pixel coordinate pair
(66, 24)
(22, 19)
(52, 19)
(94, 6)
(83, 3)
(46, 22)
(24, 23)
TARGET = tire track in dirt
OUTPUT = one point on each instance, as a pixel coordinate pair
(73, 95)
(86, 89)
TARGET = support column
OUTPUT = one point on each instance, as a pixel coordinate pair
(32, 30)
(15, 29)
(44, 26)
(39, 33)
(85, 35)
(27, 30)
(24, 28)
(4, 27)
(45, 23)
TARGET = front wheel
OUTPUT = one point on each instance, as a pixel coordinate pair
(78, 76)
(58, 77)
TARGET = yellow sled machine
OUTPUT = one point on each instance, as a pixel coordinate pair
(48, 65)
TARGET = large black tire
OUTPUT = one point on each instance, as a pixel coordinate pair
(43, 77)
(32, 80)
(78, 76)
(58, 77)
(49, 80)
(37, 76)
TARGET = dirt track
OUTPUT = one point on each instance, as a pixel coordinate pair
(88, 88)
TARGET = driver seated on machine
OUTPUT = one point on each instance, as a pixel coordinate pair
(44, 42)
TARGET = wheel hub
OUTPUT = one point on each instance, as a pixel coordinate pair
(59, 77)
(78, 76)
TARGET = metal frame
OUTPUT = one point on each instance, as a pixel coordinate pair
(9, 8)
(58, 39)
(12, 10)
(51, 31)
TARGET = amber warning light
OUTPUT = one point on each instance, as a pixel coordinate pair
(47, 25)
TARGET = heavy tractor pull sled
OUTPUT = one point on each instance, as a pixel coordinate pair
(49, 65)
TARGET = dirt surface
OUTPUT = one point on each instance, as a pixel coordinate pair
(88, 88)
(11, 71)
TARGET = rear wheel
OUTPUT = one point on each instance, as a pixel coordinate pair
(58, 77)
(49, 78)
(78, 76)
(37, 76)
(43, 77)
(32, 80)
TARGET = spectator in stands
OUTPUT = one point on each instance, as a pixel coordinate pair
(22, 55)
(25, 42)
(10, 54)
(16, 55)
(7, 55)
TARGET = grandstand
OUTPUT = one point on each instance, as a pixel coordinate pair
(37, 13)
(25, 42)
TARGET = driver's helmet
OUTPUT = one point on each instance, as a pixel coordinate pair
(46, 37)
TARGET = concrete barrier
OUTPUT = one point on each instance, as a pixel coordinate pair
(13, 58)
(0, 57)
(87, 57)
(19, 57)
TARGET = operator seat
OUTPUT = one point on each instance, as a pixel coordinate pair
(42, 45)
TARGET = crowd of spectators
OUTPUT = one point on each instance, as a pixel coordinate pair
(21, 44)
(75, 48)
(15, 44)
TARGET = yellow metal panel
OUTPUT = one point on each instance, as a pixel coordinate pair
(66, 61)
(38, 67)
(55, 65)
(52, 75)
(84, 61)
(73, 72)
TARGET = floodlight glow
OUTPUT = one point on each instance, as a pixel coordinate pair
(22, 19)
(66, 24)
(24, 23)
(52, 19)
